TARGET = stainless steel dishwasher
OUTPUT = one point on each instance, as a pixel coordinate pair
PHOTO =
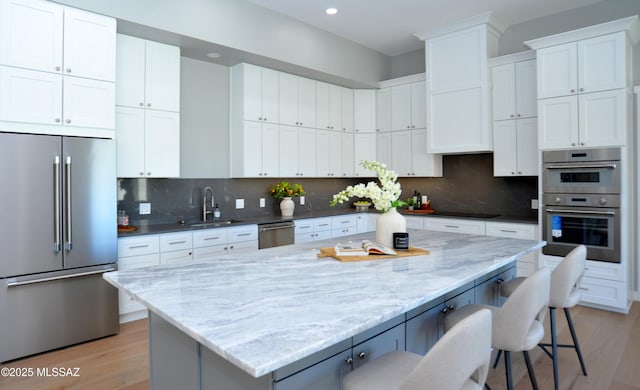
(275, 234)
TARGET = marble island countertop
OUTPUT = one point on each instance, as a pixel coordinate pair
(265, 309)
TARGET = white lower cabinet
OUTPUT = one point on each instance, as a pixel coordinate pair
(211, 243)
(414, 222)
(312, 229)
(344, 225)
(602, 285)
(526, 264)
(454, 225)
(135, 252)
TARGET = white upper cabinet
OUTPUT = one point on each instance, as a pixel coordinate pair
(48, 37)
(514, 90)
(365, 110)
(328, 106)
(89, 45)
(364, 149)
(408, 106)
(146, 142)
(148, 74)
(253, 147)
(590, 65)
(515, 133)
(383, 109)
(297, 152)
(347, 109)
(297, 101)
(383, 147)
(515, 147)
(458, 95)
(57, 68)
(259, 89)
(584, 79)
(409, 155)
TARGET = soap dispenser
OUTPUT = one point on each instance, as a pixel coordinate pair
(216, 212)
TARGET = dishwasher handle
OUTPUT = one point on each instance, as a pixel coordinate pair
(277, 226)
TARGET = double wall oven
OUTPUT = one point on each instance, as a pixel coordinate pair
(581, 197)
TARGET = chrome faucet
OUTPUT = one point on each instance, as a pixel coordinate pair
(204, 203)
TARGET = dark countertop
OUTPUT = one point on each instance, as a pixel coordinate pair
(177, 227)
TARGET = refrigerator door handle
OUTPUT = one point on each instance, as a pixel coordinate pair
(15, 283)
(56, 205)
(67, 172)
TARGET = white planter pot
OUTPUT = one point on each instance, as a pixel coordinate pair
(387, 224)
(287, 206)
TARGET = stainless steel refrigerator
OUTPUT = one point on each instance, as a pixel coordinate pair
(58, 202)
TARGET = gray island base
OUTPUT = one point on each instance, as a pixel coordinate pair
(281, 318)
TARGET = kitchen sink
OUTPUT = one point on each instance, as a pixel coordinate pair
(225, 222)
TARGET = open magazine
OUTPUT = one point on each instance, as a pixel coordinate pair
(363, 249)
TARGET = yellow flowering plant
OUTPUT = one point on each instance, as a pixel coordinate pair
(285, 189)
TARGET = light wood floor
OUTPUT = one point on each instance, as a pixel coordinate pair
(610, 343)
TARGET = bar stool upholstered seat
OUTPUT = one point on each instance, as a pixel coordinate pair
(459, 360)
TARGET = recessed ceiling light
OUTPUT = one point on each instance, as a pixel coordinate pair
(331, 11)
(213, 55)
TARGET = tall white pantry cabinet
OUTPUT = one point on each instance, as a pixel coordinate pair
(57, 69)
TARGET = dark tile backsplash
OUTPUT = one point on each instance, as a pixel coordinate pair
(468, 186)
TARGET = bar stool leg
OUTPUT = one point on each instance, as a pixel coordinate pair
(567, 314)
(554, 346)
(507, 366)
(495, 363)
(532, 374)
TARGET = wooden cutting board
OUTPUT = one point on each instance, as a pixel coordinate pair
(412, 251)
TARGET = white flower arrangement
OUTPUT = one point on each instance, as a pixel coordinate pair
(384, 197)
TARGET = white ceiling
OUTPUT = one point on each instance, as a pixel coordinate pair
(388, 25)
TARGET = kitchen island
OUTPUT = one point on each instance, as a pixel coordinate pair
(253, 320)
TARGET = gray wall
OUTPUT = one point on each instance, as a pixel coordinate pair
(204, 119)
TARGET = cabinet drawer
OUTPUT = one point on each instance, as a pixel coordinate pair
(322, 224)
(209, 237)
(602, 270)
(135, 246)
(176, 256)
(176, 241)
(455, 225)
(322, 235)
(415, 222)
(511, 230)
(236, 247)
(603, 292)
(209, 252)
(304, 226)
(242, 233)
(343, 231)
(345, 221)
(304, 237)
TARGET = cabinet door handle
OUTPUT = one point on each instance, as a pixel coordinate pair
(362, 355)
(211, 238)
(508, 231)
(177, 242)
(58, 68)
(138, 246)
(68, 70)
(452, 226)
(349, 361)
(243, 234)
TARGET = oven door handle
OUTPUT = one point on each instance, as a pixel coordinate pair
(580, 212)
(564, 166)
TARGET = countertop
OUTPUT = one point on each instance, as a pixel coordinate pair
(176, 227)
(262, 310)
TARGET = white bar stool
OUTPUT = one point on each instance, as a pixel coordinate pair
(564, 293)
(516, 326)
